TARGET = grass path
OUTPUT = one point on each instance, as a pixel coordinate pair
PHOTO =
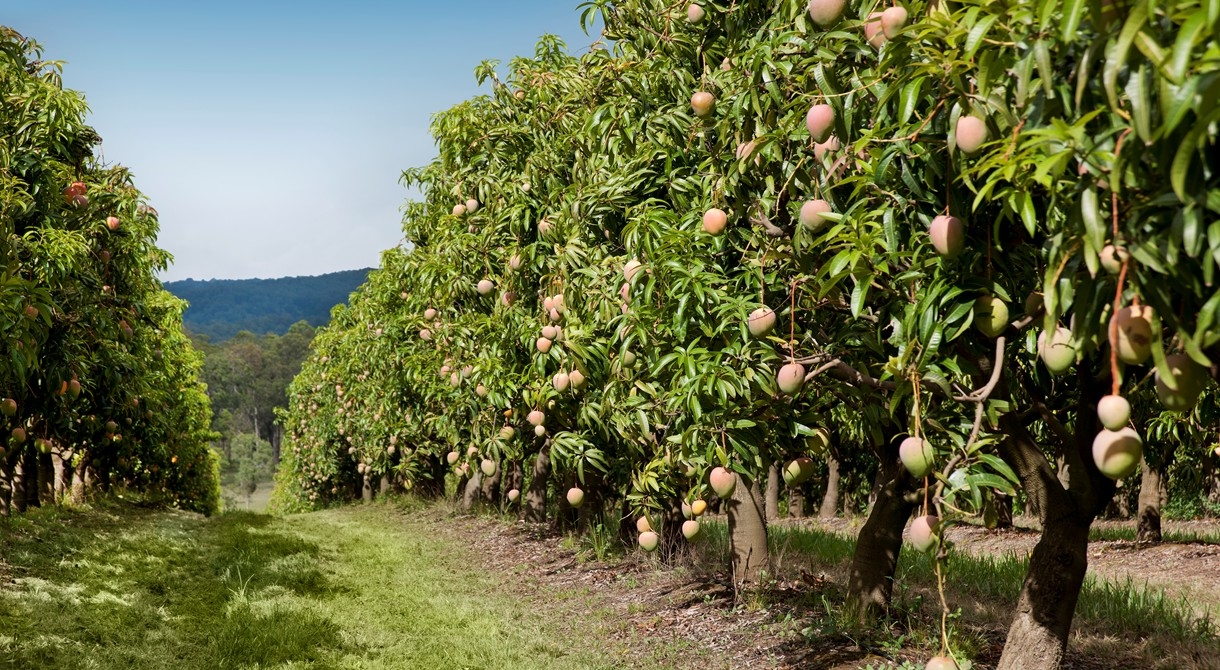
(360, 587)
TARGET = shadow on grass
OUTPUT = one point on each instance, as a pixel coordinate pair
(984, 589)
(247, 636)
(126, 588)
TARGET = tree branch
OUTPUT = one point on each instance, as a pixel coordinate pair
(762, 220)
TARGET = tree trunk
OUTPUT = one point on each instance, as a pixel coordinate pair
(1119, 506)
(1152, 492)
(535, 498)
(772, 504)
(383, 487)
(1003, 509)
(513, 479)
(626, 525)
(432, 485)
(871, 582)
(474, 487)
(1213, 481)
(796, 501)
(6, 486)
(366, 489)
(747, 531)
(491, 488)
(77, 477)
(102, 470)
(1037, 638)
(590, 510)
(28, 474)
(46, 479)
(566, 516)
(830, 501)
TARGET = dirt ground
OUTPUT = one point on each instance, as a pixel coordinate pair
(1190, 570)
(689, 618)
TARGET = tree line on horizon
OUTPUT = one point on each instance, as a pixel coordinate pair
(219, 309)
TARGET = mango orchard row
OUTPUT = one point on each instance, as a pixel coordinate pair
(98, 384)
(744, 226)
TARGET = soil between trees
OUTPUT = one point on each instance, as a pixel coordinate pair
(394, 586)
(694, 613)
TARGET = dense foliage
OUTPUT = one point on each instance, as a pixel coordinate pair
(247, 379)
(941, 214)
(219, 309)
(99, 384)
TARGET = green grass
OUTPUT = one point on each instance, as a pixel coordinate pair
(1127, 533)
(1117, 607)
(235, 501)
(360, 587)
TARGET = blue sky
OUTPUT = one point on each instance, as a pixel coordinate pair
(270, 135)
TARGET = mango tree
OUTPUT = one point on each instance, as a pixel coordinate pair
(98, 385)
(749, 227)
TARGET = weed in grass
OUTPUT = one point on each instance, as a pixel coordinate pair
(599, 542)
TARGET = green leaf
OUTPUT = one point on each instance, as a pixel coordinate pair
(1175, 69)
(985, 480)
(998, 465)
(1090, 212)
(1139, 97)
(977, 32)
(909, 99)
(1116, 55)
(1029, 216)
(1072, 11)
(1186, 150)
(859, 295)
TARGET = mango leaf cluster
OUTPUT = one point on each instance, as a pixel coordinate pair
(588, 177)
(103, 382)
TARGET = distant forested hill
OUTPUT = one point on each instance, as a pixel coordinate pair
(220, 308)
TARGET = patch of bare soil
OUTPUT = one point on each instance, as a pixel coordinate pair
(668, 617)
(1184, 570)
(687, 618)
(1189, 570)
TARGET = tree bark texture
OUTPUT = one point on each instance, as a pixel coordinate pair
(830, 500)
(871, 581)
(433, 485)
(535, 497)
(772, 502)
(1037, 638)
(1152, 494)
(1213, 480)
(796, 501)
(1068, 501)
(514, 479)
(6, 488)
(491, 488)
(1003, 508)
(29, 478)
(473, 491)
(79, 488)
(747, 531)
